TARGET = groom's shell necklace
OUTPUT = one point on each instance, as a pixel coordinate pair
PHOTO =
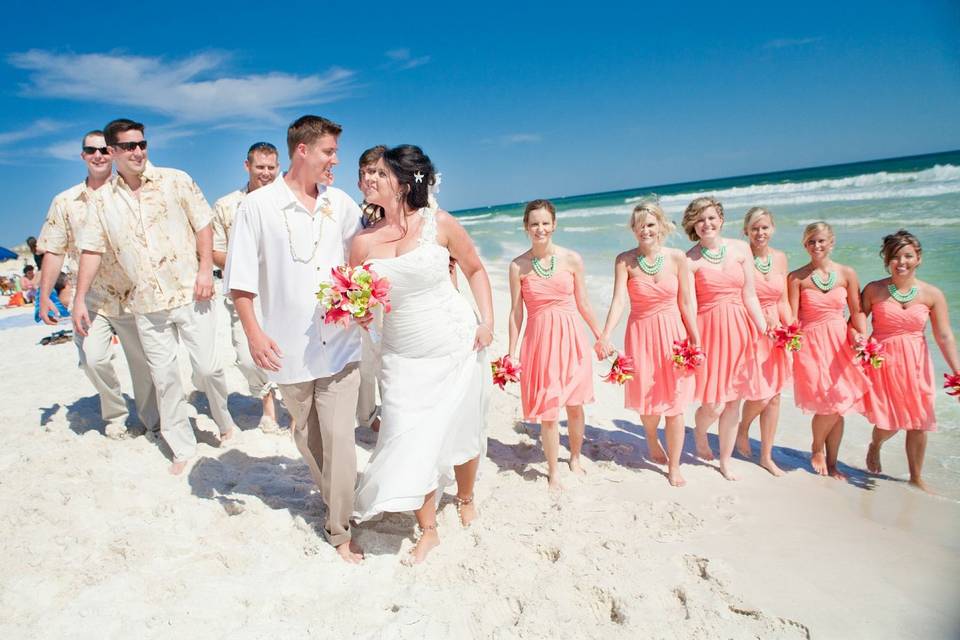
(326, 210)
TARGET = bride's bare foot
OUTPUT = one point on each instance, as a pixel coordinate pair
(772, 467)
(656, 452)
(743, 447)
(553, 484)
(676, 480)
(177, 467)
(873, 459)
(466, 510)
(427, 541)
(350, 552)
(725, 471)
(575, 466)
(818, 460)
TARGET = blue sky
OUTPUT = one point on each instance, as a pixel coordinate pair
(511, 100)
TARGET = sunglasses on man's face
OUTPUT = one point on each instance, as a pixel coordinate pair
(130, 146)
(104, 151)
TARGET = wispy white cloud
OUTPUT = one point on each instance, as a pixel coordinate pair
(508, 139)
(402, 59)
(37, 129)
(195, 89)
(783, 43)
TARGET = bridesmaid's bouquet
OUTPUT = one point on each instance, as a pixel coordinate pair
(687, 356)
(951, 383)
(353, 292)
(788, 337)
(505, 370)
(621, 370)
(869, 352)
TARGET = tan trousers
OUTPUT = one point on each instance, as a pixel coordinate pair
(367, 409)
(195, 326)
(96, 360)
(323, 411)
(255, 376)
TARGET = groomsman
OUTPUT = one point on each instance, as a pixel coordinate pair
(286, 237)
(157, 224)
(105, 301)
(262, 165)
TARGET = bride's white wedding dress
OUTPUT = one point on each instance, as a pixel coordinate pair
(434, 386)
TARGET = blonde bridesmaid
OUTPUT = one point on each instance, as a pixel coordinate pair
(902, 392)
(555, 357)
(656, 281)
(730, 322)
(773, 364)
(827, 380)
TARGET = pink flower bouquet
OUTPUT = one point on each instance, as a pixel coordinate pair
(353, 292)
(505, 370)
(621, 370)
(951, 383)
(788, 337)
(869, 351)
(687, 356)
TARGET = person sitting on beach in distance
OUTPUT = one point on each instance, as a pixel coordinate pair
(262, 165)
(157, 223)
(729, 319)
(903, 390)
(28, 283)
(657, 282)
(827, 379)
(773, 364)
(555, 367)
(286, 238)
(106, 300)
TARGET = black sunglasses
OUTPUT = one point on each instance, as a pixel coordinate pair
(104, 151)
(130, 146)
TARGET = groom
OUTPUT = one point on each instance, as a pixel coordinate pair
(285, 239)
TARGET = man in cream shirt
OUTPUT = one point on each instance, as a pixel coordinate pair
(105, 302)
(285, 239)
(157, 223)
(262, 165)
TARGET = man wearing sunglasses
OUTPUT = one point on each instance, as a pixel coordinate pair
(157, 223)
(106, 300)
(262, 165)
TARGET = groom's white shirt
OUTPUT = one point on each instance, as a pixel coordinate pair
(272, 235)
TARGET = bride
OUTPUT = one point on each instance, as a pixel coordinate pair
(435, 375)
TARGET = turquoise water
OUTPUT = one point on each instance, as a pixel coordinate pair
(863, 201)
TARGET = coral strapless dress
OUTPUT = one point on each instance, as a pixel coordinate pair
(658, 387)
(826, 376)
(902, 391)
(773, 364)
(555, 356)
(726, 335)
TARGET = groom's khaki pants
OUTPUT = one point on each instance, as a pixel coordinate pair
(324, 412)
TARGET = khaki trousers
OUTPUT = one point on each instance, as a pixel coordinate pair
(256, 377)
(195, 326)
(367, 409)
(96, 360)
(323, 411)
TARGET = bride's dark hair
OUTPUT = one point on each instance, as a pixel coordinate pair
(405, 161)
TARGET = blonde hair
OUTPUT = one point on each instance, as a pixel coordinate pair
(642, 209)
(693, 211)
(816, 227)
(752, 214)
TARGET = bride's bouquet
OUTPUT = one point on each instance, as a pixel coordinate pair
(686, 356)
(788, 337)
(869, 352)
(621, 370)
(505, 370)
(951, 383)
(353, 292)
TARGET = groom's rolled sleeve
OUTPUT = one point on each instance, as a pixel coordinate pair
(243, 256)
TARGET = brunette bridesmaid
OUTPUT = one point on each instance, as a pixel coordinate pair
(902, 393)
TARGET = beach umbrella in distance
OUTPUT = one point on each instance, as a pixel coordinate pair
(6, 254)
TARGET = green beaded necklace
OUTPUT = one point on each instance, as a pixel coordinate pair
(903, 298)
(650, 269)
(825, 285)
(763, 267)
(545, 272)
(715, 257)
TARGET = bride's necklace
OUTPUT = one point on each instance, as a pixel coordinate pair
(651, 269)
(545, 272)
(763, 267)
(824, 285)
(714, 257)
(293, 251)
(903, 298)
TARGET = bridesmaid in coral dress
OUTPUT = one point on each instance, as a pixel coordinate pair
(555, 357)
(773, 364)
(656, 281)
(902, 391)
(827, 380)
(730, 322)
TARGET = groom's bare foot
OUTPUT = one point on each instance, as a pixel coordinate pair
(177, 467)
(575, 467)
(428, 540)
(227, 435)
(350, 551)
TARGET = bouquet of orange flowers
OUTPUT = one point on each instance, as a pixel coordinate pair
(621, 370)
(505, 370)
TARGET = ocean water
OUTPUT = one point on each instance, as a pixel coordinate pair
(863, 201)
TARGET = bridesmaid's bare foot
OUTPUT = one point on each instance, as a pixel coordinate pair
(772, 467)
(350, 552)
(676, 480)
(575, 467)
(920, 484)
(428, 540)
(705, 452)
(873, 459)
(818, 460)
(835, 473)
(725, 471)
(656, 452)
(743, 447)
(554, 488)
(177, 467)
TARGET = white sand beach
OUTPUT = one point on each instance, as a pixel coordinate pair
(99, 541)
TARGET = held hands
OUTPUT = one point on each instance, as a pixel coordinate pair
(81, 317)
(265, 352)
(603, 348)
(483, 338)
(203, 288)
